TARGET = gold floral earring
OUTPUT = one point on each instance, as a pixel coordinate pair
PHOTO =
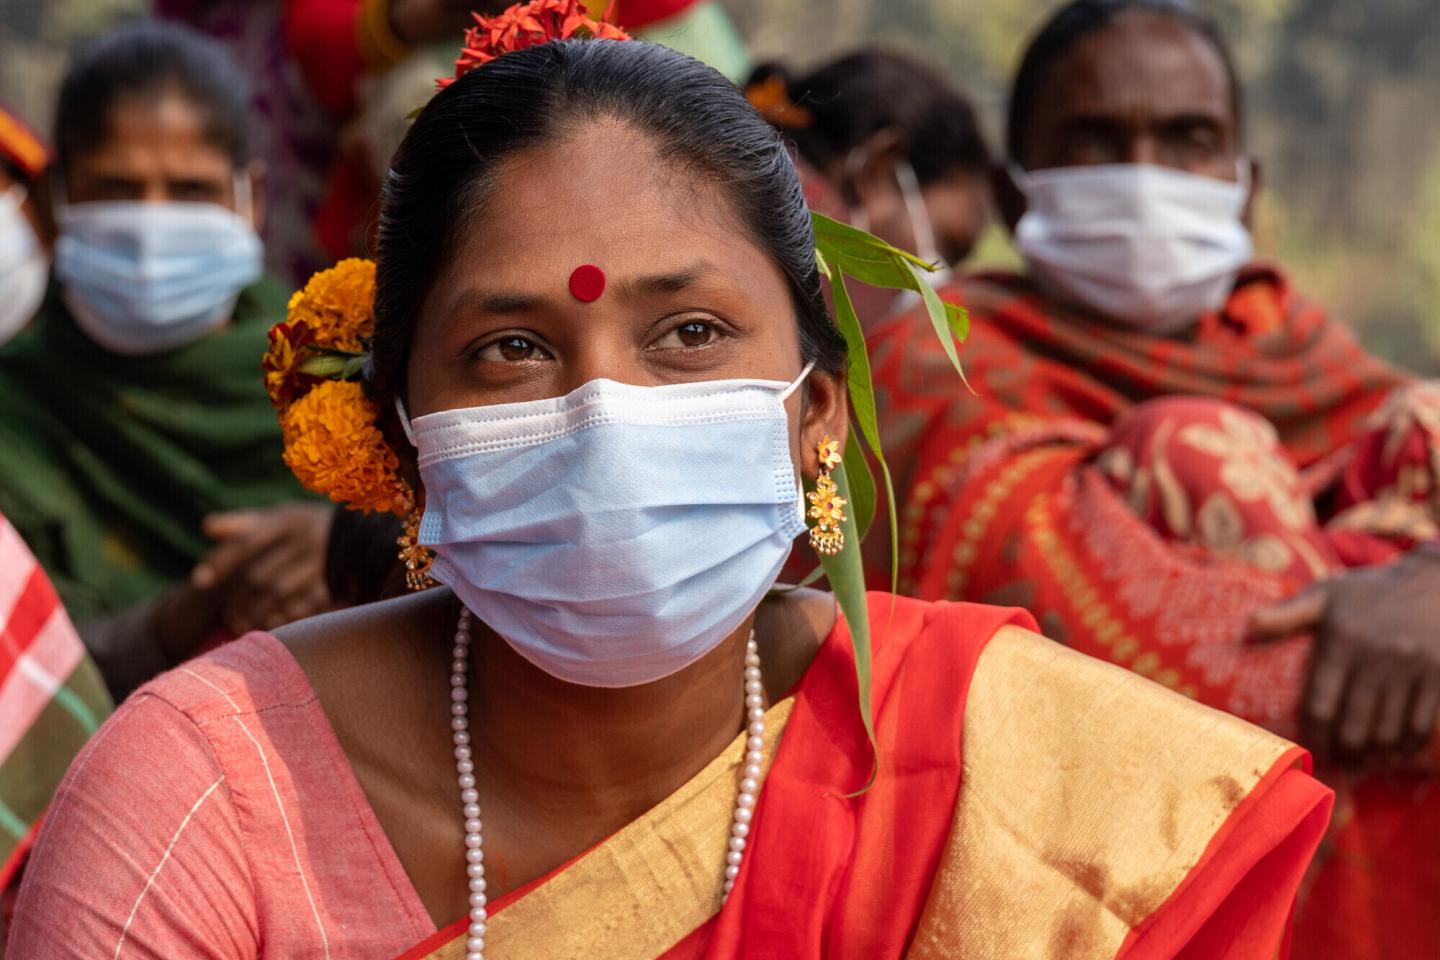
(416, 557)
(827, 507)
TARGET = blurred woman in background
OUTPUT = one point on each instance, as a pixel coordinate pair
(887, 145)
(142, 460)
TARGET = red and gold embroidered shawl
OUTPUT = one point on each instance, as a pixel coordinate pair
(1002, 503)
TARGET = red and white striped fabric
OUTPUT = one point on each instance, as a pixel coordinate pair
(51, 696)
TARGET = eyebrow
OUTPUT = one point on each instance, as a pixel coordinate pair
(481, 301)
(661, 283)
(1193, 118)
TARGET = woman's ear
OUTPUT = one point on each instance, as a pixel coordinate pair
(827, 417)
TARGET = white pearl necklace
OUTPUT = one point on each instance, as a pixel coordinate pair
(470, 797)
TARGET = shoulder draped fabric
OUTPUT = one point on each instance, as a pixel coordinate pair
(111, 462)
(1030, 803)
(51, 699)
(1007, 500)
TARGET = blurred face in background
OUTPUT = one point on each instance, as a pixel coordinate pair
(874, 189)
(1146, 89)
(938, 221)
(1129, 197)
(158, 150)
(158, 231)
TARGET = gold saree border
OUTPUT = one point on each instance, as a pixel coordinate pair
(1088, 796)
(643, 890)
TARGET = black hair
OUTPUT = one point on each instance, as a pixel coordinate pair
(360, 562)
(149, 58)
(843, 103)
(1079, 19)
(446, 167)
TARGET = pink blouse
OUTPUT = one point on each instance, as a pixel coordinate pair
(215, 815)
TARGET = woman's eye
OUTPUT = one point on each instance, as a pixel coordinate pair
(696, 333)
(512, 350)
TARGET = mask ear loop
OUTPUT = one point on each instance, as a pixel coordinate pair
(244, 196)
(784, 394)
(918, 213)
(1244, 178)
(1019, 177)
(405, 421)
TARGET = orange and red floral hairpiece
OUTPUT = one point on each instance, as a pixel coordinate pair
(527, 25)
(333, 442)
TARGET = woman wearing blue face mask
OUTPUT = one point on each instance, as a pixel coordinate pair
(141, 462)
(599, 369)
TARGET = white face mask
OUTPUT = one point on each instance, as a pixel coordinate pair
(142, 278)
(24, 268)
(616, 534)
(1147, 247)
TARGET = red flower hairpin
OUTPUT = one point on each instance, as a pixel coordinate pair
(526, 25)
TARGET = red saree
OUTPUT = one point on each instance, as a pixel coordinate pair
(1030, 802)
(1140, 538)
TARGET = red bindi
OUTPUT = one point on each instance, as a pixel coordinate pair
(587, 283)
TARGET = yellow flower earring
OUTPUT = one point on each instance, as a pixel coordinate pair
(827, 507)
(415, 556)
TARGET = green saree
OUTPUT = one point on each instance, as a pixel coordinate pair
(108, 463)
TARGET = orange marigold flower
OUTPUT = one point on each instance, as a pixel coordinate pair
(338, 305)
(334, 447)
(283, 379)
(525, 25)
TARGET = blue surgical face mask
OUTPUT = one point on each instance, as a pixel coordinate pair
(617, 534)
(24, 268)
(142, 278)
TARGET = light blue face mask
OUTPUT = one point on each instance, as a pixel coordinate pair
(142, 278)
(617, 534)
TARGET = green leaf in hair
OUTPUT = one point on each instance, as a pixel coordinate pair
(862, 401)
(862, 484)
(842, 251)
(847, 580)
(332, 364)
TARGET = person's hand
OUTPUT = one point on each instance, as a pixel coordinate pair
(1374, 685)
(269, 564)
(426, 21)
